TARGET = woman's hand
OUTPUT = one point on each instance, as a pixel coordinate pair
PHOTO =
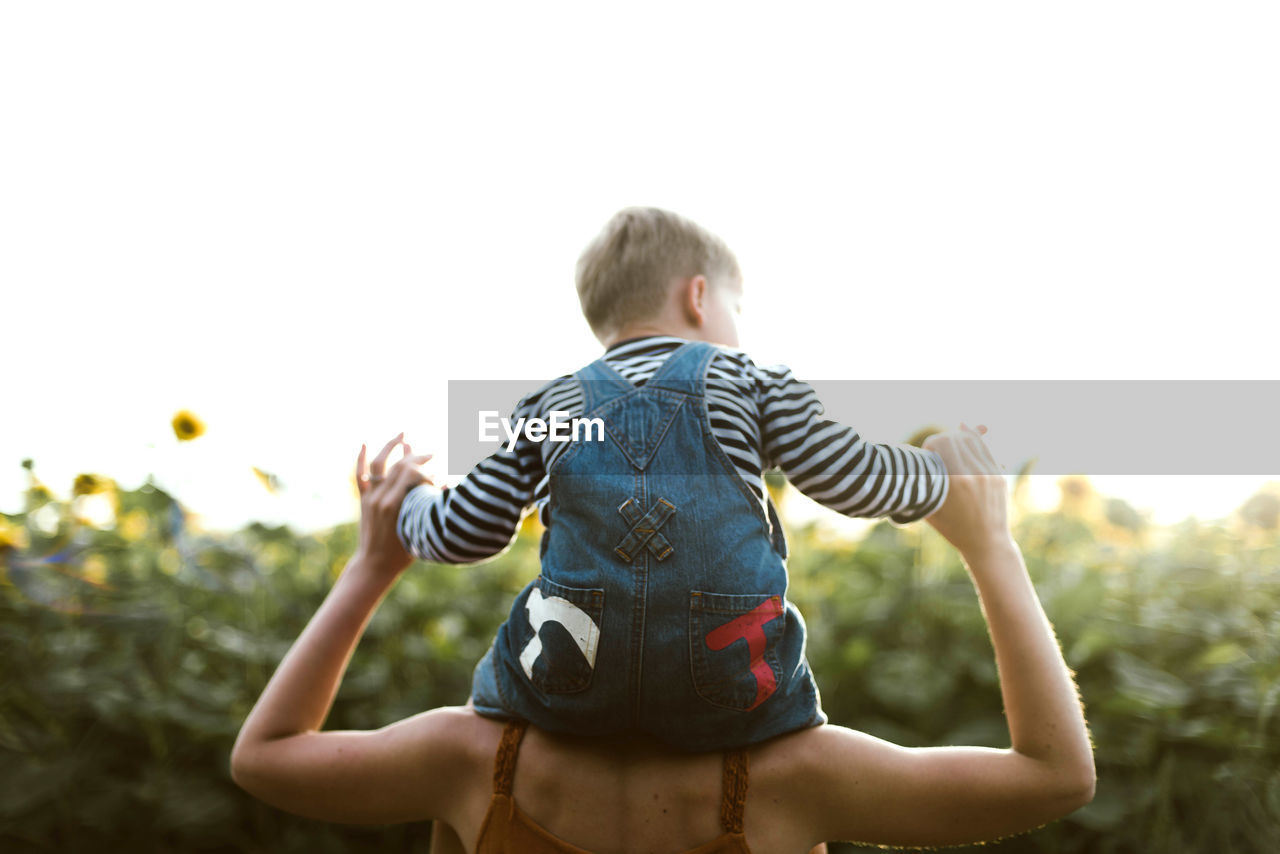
(975, 517)
(381, 493)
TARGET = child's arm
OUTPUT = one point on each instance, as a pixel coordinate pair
(478, 518)
(833, 465)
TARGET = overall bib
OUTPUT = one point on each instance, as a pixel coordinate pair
(661, 604)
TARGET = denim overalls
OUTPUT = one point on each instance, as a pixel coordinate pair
(661, 604)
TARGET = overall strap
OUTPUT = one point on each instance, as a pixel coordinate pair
(735, 790)
(685, 370)
(504, 761)
(600, 383)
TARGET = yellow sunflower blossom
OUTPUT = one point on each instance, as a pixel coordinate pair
(1078, 498)
(11, 536)
(186, 426)
(90, 484)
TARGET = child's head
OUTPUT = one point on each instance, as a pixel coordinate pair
(651, 271)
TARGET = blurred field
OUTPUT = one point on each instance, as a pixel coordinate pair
(133, 645)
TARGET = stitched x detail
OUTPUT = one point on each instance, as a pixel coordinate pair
(644, 529)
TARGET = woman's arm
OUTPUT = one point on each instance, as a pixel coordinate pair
(403, 772)
(881, 793)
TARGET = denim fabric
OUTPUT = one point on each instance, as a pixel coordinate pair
(661, 603)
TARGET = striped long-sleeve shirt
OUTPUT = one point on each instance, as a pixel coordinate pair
(763, 418)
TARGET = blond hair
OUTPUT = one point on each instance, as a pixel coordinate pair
(625, 273)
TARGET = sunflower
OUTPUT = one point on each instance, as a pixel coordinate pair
(186, 426)
(11, 536)
(90, 484)
(1078, 498)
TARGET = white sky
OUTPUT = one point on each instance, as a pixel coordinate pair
(299, 220)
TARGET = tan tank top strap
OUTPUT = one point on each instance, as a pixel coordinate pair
(504, 761)
(735, 790)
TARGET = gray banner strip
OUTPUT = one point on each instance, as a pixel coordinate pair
(1130, 427)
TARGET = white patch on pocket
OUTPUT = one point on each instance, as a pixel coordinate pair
(583, 629)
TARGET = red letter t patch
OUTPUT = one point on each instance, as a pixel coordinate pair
(751, 627)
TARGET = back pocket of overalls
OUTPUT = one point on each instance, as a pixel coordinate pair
(733, 646)
(562, 636)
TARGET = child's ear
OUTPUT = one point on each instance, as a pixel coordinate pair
(695, 295)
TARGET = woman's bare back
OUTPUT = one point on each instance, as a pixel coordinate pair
(623, 795)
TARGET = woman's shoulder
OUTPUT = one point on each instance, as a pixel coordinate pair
(456, 736)
(821, 753)
(780, 758)
(787, 760)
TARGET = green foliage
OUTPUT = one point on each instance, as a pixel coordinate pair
(131, 654)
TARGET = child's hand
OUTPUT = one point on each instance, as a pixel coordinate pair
(974, 516)
(380, 498)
